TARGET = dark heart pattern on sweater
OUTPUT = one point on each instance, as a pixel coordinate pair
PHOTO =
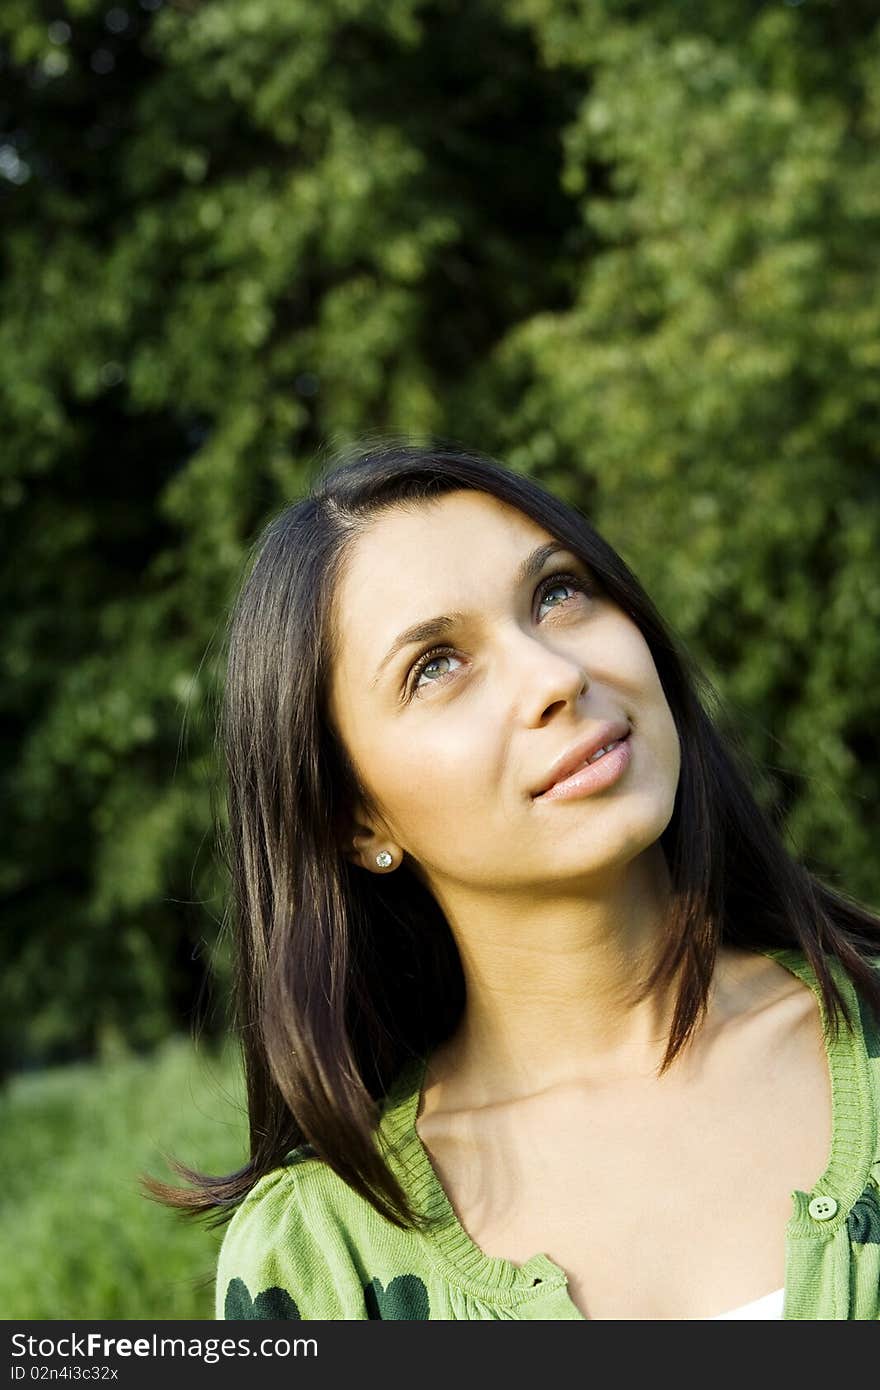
(405, 1298)
(863, 1222)
(271, 1304)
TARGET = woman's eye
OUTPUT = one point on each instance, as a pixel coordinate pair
(426, 663)
(562, 581)
(430, 664)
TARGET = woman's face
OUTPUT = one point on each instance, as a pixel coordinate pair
(453, 747)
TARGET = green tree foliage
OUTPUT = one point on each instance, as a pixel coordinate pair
(632, 249)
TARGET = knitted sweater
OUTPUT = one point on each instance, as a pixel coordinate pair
(304, 1245)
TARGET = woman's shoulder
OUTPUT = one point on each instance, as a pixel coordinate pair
(303, 1244)
(868, 1016)
(278, 1192)
(286, 1250)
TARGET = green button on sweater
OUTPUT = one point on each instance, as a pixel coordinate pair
(303, 1245)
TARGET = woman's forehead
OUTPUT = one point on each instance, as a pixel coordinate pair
(470, 524)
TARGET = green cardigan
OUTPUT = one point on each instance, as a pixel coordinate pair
(304, 1245)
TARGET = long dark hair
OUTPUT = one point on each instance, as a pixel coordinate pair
(343, 976)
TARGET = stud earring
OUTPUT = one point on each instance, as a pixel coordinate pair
(383, 859)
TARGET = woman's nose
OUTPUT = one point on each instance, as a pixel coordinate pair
(544, 677)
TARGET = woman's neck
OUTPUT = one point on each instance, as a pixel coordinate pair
(551, 984)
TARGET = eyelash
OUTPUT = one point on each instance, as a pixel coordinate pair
(575, 581)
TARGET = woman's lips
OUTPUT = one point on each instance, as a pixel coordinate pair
(594, 777)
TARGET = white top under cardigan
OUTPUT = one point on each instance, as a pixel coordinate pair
(770, 1306)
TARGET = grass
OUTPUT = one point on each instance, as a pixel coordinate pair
(80, 1240)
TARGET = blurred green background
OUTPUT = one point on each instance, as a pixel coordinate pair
(631, 249)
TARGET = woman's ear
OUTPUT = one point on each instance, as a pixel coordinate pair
(367, 843)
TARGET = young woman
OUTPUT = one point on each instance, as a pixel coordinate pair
(540, 1018)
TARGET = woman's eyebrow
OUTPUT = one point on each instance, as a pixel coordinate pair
(434, 628)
